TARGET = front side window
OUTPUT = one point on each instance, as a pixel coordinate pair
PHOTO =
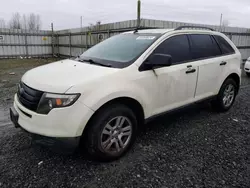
(226, 48)
(203, 46)
(121, 50)
(177, 47)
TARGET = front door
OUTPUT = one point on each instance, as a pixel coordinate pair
(176, 86)
(176, 83)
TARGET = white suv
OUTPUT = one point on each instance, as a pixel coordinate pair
(106, 93)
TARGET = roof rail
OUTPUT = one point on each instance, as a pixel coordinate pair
(190, 26)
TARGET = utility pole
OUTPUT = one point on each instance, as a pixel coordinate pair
(138, 13)
(221, 17)
(81, 35)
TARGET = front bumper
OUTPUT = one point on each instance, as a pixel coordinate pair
(57, 144)
(66, 122)
(60, 145)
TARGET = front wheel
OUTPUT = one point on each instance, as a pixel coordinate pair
(111, 132)
(226, 96)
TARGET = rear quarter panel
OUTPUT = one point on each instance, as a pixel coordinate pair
(233, 63)
(233, 66)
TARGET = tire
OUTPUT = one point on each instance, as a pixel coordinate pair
(96, 136)
(248, 74)
(218, 104)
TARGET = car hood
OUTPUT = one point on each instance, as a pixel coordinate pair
(58, 77)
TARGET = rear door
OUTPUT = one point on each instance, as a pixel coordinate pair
(229, 60)
(205, 55)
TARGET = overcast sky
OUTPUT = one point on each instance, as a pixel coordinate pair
(66, 13)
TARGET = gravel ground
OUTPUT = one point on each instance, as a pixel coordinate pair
(194, 147)
(10, 73)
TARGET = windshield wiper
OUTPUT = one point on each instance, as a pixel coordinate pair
(91, 61)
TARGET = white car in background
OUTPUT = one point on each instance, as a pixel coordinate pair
(247, 67)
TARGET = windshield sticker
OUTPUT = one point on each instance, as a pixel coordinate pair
(145, 38)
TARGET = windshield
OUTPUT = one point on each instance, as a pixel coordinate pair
(121, 50)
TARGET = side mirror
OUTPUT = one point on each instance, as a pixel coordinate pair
(159, 60)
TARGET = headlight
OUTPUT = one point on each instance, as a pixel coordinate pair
(50, 101)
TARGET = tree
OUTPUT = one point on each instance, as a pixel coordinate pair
(39, 22)
(98, 23)
(90, 27)
(31, 22)
(15, 21)
(34, 22)
(94, 26)
(2, 23)
(24, 22)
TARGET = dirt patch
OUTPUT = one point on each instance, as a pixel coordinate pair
(10, 64)
(11, 71)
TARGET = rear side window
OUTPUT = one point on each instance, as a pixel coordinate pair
(226, 48)
(177, 47)
(203, 46)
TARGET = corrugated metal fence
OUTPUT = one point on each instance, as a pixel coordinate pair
(73, 42)
(25, 43)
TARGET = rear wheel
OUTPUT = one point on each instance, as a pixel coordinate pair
(111, 132)
(226, 96)
(248, 74)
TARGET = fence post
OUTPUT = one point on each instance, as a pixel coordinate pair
(86, 33)
(26, 43)
(231, 36)
(81, 35)
(90, 41)
(52, 40)
(70, 45)
(57, 43)
(108, 33)
(82, 46)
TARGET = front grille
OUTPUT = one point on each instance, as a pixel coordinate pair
(28, 97)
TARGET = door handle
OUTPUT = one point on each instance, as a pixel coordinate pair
(190, 71)
(223, 63)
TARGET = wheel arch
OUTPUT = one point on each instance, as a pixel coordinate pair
(236, 78)
(132, 103)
